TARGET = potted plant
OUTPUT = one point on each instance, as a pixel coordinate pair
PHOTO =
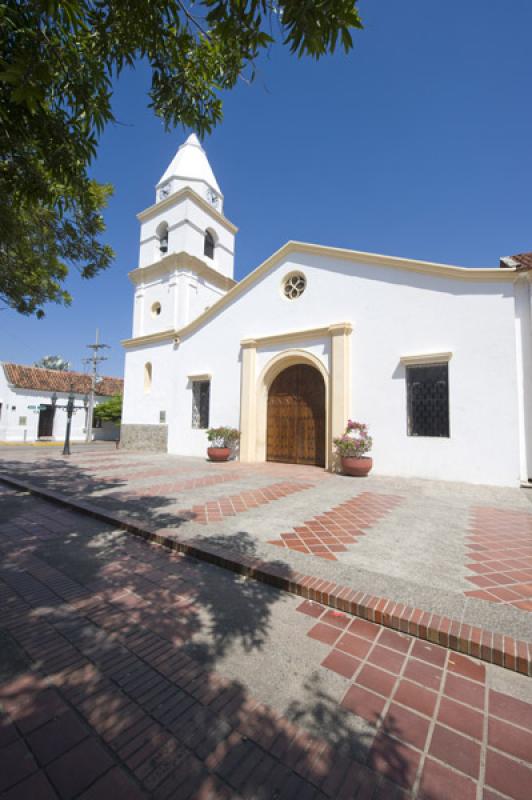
(222, 441)
(352, 447)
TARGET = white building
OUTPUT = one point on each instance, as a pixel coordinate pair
(33, 401)
(435, 358)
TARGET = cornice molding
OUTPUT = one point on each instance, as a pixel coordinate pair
(179, 224)
(150, 338)
(478, 275)
(204, 376)
(426, 358)
(185, 194)
(174, 261)
(397, 262)
(340, 329)
(294, 336)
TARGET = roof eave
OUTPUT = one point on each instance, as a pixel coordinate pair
(482, 274)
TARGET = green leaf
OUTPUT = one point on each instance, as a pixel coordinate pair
(58, 65)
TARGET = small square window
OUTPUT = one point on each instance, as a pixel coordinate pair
(22, 420)
(162, 417)
(428, 400)
(201, 391)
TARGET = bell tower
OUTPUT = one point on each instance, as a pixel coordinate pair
(186, 259)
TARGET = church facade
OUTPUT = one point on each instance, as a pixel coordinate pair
(436, 359)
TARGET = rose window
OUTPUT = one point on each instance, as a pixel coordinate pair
(294, 286)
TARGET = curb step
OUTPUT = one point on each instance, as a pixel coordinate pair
(494, 648)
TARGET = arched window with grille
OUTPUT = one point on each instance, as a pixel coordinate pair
(208, 244)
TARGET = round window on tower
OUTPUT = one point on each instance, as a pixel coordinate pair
(294, 285)
(155, 309)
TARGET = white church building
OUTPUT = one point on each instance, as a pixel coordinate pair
(436, 359)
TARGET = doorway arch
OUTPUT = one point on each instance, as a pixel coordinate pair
(295, 423)
(278, 364)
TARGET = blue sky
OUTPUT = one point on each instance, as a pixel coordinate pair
(417, 144)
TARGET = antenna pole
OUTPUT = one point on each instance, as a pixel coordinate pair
(93, 361)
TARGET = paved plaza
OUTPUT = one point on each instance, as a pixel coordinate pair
(457, 550)
(128, 670)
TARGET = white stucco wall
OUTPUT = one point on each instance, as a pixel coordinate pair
(187, 222)
(16, 406)
(394, 313)
(523, 348)
(182, 296)
(140, 406)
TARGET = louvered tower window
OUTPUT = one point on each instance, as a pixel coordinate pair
(208, 245)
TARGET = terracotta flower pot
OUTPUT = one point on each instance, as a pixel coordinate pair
(218, 453)
(358, 467)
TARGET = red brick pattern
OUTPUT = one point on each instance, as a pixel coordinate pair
(216, 510)
(328, 534)
(500, 556)
(433, 720)
(133, 471)
(114, 707)
(174, 487)
(463, 637)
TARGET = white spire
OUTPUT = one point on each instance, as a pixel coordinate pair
(190, 165)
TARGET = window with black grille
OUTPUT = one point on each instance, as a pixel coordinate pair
(201, 394)
(427, 390)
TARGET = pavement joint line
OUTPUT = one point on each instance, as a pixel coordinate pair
(485, 737)
(514, 655)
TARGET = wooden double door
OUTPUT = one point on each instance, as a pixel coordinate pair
(295, 431)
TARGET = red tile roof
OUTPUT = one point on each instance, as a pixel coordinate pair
(54, 380)
(110, 386)
(522, 261)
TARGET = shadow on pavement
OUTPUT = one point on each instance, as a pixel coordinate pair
(127, 637)
(72, 481)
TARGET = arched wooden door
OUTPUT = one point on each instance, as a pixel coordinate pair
(296, 417)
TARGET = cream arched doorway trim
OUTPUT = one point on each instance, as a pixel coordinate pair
(273, 368)
(254, 391)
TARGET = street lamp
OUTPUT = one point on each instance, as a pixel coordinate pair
(71, 408)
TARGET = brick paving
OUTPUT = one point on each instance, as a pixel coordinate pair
(454, 734)
(481, 641)
(182, 486)
(135, 472)
(328, 534)
(229, 506)
(107, 700)
(502, 566)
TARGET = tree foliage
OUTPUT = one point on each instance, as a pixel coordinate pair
(53, 362)
(58, 61)
(110, 410)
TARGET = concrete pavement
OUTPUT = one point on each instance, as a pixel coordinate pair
(130, 671)
(422, 550)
